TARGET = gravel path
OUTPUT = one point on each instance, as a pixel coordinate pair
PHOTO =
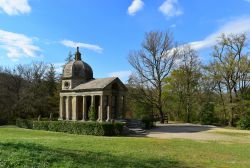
(198, 132)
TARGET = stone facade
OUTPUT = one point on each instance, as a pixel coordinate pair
(80, 91)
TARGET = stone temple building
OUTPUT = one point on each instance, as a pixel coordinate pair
(80, 90)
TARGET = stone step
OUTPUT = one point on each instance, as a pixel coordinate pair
(134, 127)
(134, 124)
(138, 131)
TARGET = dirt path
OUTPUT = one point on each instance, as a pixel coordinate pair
(198, 132)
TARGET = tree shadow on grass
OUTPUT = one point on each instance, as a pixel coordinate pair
(34, 155)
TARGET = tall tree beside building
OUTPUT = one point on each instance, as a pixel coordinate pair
(183, 84)
(152, 64)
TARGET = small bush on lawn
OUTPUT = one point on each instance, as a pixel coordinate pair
(83, 128)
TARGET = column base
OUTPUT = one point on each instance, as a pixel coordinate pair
(100, 120)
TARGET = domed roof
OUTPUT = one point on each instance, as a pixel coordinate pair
(77, 69)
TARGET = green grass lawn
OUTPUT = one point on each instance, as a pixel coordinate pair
(29, 148)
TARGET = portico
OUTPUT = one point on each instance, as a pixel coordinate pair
(76, 106)
(80, 91)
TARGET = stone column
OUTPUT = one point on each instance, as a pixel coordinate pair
(74, 108)
(68, 108)
(61, 108)
(109, 109)
(92, 100)
(100, 109)
(108, 114)
(84, 108)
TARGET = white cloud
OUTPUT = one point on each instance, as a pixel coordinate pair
(171, 8)
(135, 6)
(240, 25)
(247, 0)
(123, 75)
(73, 44)
(173, 26)
(15, 7)
(18, 45)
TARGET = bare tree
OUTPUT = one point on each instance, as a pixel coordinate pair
(152, 63)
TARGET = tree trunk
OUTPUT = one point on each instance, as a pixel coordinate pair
(187, 113)
(223, 104)
(188, 110)
(231, 111)
(161, 115)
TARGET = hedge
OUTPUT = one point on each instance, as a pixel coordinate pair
(74, 127)
(24, 123)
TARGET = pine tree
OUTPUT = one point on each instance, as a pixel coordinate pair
(69, 57)
(51, 80)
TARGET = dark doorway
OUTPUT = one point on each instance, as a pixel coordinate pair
(97, 104)
(114, 106)
(64, 108)
(88, 104)
(79, 100)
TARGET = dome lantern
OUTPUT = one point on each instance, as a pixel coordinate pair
(76, 72)
(78, 55)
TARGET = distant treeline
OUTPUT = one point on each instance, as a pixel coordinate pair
(171, 83)
(27, 91)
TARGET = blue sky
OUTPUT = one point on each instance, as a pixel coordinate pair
(107, 30)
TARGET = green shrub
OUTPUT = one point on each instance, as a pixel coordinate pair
(24, 123)
(148, 122)
(74, 127)
(41, 125)
(244, 119)
(244, 123)
(118, 128)
(92, 113)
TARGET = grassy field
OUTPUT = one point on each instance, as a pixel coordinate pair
(30, 148)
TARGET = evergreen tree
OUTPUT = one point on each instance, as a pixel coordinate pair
(69, 57)
(92, 113)
(51, 80)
